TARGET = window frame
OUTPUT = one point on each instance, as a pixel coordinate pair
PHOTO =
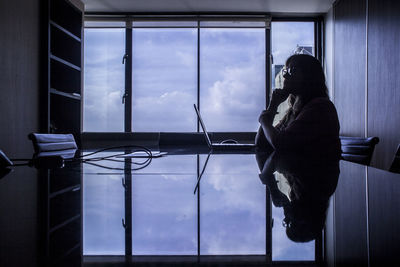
(128, 18)
(198, 18)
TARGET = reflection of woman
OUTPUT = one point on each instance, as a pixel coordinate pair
(311, 122)
(305, 198)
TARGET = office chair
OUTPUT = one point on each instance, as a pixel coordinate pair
(395, 167)
(48, 144)
(358, 149)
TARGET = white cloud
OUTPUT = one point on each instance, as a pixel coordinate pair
(287, 35)
(186, 59)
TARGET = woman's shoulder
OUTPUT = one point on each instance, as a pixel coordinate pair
(320, 103)
(320, 100)
(318, 110)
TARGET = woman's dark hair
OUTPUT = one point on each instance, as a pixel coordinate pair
(305, 220)
(313, 83)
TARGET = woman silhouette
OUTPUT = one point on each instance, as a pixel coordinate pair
(311, 124)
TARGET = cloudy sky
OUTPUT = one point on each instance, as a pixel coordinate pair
(164, 76)
(164, 210)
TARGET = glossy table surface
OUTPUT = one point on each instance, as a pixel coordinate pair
(190, 206)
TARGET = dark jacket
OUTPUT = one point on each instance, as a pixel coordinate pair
(314, 131)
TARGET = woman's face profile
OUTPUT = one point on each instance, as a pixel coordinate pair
(291, 79)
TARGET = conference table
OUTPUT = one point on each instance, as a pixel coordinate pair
(190, 206)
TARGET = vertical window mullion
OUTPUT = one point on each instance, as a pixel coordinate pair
(128, 204)
(268, 205)
(198, 208)
(318, 39)
(128, 78)
(198, 70)
(268, 63)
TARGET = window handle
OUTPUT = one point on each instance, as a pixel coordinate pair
(124, 58)
(124, 96)
(271, 58)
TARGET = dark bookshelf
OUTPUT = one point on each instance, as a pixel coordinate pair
(65, 67)
(62, 92)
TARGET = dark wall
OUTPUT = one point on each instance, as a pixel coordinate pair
(349, 66)
(366, 72)
(19, 75)
(384, 78)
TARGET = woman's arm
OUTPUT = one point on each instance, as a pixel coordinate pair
(267, 116)
(266, 119)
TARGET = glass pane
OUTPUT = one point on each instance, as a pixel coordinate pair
(288, 38)
(232, 207)
(103, 210)
(164, 85)
(164, 208)
(232, 78)
(104, 80)
(283, 249)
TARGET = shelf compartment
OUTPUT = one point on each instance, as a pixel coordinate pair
(73, 96)
(61, 179)
(67, 16)
(64, 223)
(63, 208)
(64, 46)
(72, 257)
(52, 23)
(65, 115)
(65, 239)
(69, 64)
(64, 77)
(65, 190)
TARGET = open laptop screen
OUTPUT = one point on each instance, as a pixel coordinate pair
(202, 126)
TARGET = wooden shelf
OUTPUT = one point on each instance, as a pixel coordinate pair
(65, 190)
(62, 260)
(60, 60)
(65, 31)
(73, 95)
(65, 115)
(55, 228)
(68, 252)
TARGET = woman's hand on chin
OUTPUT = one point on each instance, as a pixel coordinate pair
(278, 96)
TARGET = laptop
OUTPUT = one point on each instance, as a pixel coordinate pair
(223, 145)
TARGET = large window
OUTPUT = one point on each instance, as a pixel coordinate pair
(219, 65)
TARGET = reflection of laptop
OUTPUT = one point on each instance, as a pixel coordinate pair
(222, 145)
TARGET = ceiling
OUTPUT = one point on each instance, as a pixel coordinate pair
(200, 6)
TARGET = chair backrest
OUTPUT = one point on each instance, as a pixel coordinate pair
(52, 142)
(395, 167)
(358, 149)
